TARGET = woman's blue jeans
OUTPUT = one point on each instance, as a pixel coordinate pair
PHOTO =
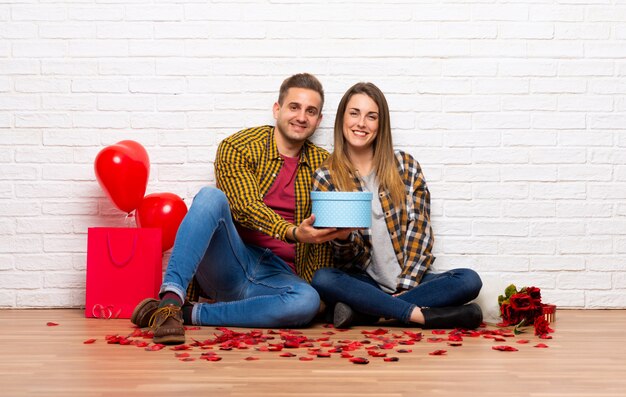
(359, 291)
(252, 287)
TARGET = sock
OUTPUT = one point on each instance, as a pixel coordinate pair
(170, 298)
(187, 309)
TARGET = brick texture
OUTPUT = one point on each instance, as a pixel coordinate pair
(516, 111)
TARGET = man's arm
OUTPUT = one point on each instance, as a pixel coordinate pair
(236, 177)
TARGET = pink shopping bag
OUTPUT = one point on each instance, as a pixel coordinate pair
(123, 268)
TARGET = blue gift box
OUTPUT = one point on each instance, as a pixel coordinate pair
(342, 209)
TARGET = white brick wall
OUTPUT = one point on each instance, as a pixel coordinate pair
(516, 110)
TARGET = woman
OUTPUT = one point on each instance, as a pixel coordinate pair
(383, 271)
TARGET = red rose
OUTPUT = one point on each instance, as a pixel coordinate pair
(542, 326)
(522, 302)
(510, 316)
(535, 294)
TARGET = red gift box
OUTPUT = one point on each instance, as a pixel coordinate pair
(124, 266)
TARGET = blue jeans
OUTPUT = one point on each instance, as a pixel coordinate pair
(252, 287)
(359, 291)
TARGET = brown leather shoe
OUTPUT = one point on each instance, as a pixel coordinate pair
(143, 312)
(167, 323)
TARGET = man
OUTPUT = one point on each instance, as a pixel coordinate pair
(240, 240)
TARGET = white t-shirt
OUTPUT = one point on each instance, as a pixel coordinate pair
(384, 268)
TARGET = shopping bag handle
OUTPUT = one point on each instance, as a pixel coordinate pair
(99, 311)
(125, 261)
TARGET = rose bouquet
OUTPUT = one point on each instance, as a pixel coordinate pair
(523, 307)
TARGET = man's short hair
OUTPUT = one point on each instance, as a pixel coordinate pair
(301, 80)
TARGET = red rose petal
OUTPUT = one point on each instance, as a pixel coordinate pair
(404, 350)
(455, 338)
(290, 344)
(305, 358)
(212, 358)
(439, 331)
(287, 354)
(391, 359)
(414, 335)
(504, 348)
(434, 340)
(455, 344)
(523, 341)
(438, 352)
(275, 348)
(251, 358)
(541, 345)
(378, 331)
(187, 359)
(323, 355)
(359, 360)
(89, 341)
(51, 324)
(155, 347)
(182, 355)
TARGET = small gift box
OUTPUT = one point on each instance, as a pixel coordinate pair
(342, 209)
(549, 313)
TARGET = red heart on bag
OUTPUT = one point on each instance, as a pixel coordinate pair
(122, 171)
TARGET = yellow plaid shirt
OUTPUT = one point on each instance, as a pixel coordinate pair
(246, 165)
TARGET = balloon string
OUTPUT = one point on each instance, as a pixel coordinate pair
(129, 219)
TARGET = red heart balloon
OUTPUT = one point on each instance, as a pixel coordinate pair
(162, 210)
(122, 171)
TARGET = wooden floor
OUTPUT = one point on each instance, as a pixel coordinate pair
(586, 357)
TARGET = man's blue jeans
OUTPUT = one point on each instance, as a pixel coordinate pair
(362, 293)
(252, 287)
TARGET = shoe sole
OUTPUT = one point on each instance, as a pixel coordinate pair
(134, 318)
(343, 315)
(170, 340)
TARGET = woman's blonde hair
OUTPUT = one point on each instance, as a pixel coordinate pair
(385, 166)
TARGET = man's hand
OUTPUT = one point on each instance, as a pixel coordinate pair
(306, 233)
